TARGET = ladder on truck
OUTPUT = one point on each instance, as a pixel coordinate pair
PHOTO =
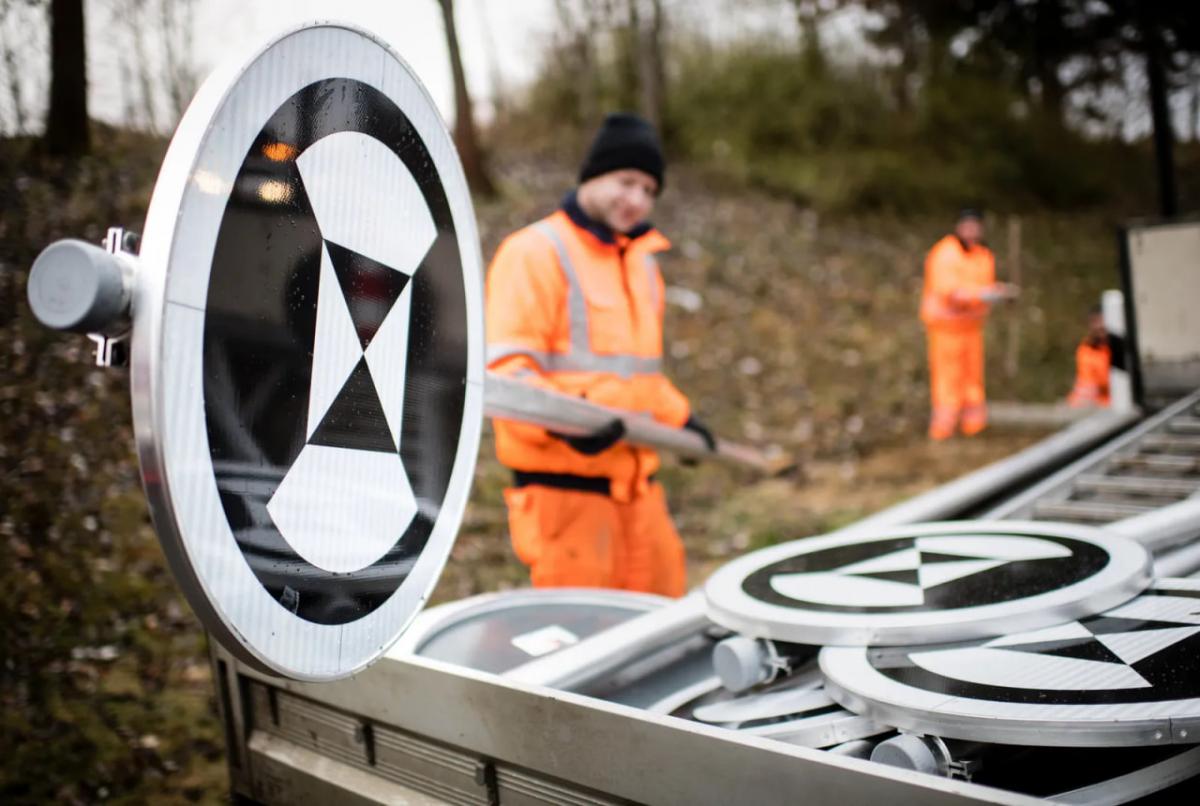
(1144, 483)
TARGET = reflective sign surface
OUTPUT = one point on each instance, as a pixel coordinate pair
(925, 582)
(1130, 675)
(310, 376)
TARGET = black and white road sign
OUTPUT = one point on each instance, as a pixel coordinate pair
(1129, 676)
(308, 351)
(923, 583)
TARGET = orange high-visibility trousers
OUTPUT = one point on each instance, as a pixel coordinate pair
(956, 381)
(571, 538)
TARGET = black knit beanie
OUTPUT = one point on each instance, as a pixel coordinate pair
(624, 141)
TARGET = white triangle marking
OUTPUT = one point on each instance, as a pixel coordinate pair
(1131, 647)
(994, 547)
(1027, 670)
(834, 588)
(934, 574)
(1059, 632)
(365, 199)
(1179, 609)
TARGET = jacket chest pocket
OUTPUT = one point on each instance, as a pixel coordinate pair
(612, 317)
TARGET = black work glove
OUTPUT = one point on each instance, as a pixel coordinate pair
(700, 428)
(597, 441)
(693, 424)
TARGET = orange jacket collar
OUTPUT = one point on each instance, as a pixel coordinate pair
(599, 236)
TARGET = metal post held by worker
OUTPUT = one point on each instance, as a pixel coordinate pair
(511, 399)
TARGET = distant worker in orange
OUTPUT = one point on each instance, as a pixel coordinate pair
(1093, 359)
(960, 288)
(575, 304)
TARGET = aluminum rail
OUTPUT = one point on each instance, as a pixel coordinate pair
(1048, 498)
(1181, 562)
(511, 399)
(1164, 529)
(957, 497)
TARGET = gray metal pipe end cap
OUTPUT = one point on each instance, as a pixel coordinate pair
(740, 663)
(909, 752)
(76, 286)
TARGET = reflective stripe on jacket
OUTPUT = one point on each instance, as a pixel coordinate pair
(577, 314)
(955, 280)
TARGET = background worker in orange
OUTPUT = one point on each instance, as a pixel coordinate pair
(575, 304)
(960, 287)
(1093, 359)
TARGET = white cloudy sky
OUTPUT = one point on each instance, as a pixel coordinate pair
(228, 28)
(509, 34)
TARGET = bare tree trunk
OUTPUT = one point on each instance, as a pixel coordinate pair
(11, 66)
(580, 27)
(808, 20)
(1195, 106)
(650, 64)
(495, 75)
(177, 21)
(1160, 113)
(589, 68)
(1052, 92)
(128, 100)
(910, 60)
(67, 118)
(474, 164)
(626, 28)
(135, 20)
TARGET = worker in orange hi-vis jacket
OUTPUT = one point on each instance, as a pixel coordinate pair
(960, 288)
(1093, 359)
(575, 305)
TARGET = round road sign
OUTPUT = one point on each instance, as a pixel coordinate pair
(1129, 676)
(928, 582)
(308, 373)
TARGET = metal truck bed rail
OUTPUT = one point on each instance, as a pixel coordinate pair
(1152, 466)
(473, 738)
